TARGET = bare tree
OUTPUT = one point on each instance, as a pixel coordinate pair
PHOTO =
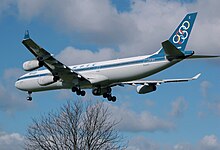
(76, 126)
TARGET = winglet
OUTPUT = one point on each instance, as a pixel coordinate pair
(197, 76)
(26, 35)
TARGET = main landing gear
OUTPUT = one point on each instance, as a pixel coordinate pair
(78, 91)
(105, 92)
(29, 97)
(109, 97)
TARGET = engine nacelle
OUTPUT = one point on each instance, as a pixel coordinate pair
(31, 65)
(143, 89)
(46, 80)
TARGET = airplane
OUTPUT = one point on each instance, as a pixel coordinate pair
(102, 76)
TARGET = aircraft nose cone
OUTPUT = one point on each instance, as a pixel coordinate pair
(18, 85)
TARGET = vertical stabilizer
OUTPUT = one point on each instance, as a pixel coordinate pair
(181, 35)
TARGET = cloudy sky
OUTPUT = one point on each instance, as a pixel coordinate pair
(183, 116)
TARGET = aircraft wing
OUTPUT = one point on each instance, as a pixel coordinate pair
(158, 82)
(57, 68)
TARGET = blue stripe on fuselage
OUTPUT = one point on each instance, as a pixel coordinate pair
(153, 58)
(34, 76)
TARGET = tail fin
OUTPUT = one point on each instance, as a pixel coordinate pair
(181, 35)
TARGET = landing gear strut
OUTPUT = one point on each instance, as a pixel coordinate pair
(78, 91)
(29, 98)
(105, 92)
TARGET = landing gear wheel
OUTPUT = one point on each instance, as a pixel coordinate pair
(109, 98)
(105, 95)
(74, 89)
(29, 98)
(113, 99)
(78, 92)
(83, 93)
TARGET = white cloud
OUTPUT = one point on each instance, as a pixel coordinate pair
(144, 121)
(207, 26)
(97, 21)
(136, 32)
(142, 143)
(209, 142)
(214, 106)
(210, 102)
(12, 74)
(182, 147)
(11, 141)
(178, 107)
(30, 9)
(5, 7)
(71, 55)
(205, 85)
(10, 98)
(149, 103)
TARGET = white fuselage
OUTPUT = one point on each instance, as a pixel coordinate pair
(116, 71)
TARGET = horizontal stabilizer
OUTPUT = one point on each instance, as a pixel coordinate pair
(203, 56)
(171, 51)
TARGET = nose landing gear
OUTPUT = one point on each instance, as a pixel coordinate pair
(29, 97)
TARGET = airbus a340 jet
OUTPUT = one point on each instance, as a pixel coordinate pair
(102, 76)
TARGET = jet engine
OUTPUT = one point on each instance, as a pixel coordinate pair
(31, 65)
(46, 80)
(143, 89)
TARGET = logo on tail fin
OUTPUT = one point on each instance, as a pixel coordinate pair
(182, 33)
(180, 36)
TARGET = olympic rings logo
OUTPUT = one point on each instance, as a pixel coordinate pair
(182, 33)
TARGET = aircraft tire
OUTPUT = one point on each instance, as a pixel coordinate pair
(105, 95)
(74, 89)
(82, 93)
(29, 98)
(113, 99)
(109, 98)
(78, 92)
